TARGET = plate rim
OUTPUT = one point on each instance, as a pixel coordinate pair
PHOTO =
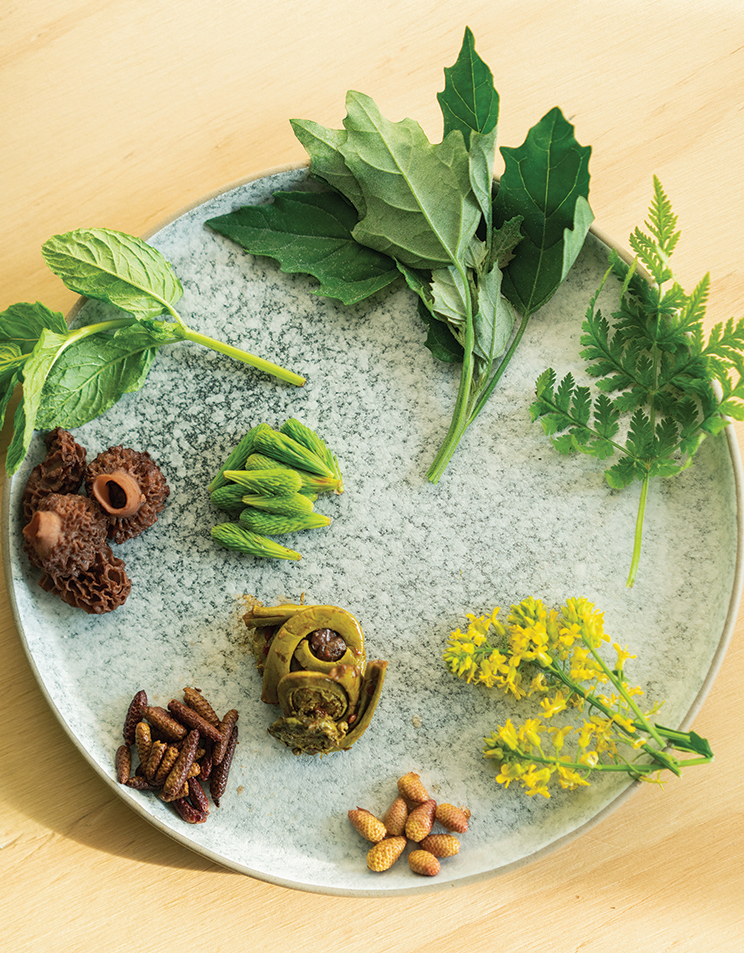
(737, 587)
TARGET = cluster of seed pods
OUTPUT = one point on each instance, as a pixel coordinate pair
(181, 750)
(411, 818)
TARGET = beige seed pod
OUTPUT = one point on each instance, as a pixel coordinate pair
(453, 818)
(411, 787)
(365, 823)
(423, 862)
(395, 817)
(441, 845)
(385, 853)
(421, 820)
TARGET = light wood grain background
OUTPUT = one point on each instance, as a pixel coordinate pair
(119, 113)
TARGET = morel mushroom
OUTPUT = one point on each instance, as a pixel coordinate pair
(64, 534)
(130, 489)
(314, 666)
(61, 471)
(102, 587)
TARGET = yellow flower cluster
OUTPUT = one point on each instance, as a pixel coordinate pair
(554, 655)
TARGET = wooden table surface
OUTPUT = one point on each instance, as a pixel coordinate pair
(121, 112)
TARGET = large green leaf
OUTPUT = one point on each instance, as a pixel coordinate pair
(90, 377)
(326, 161)
(546, 182)
(311, 233)
(419, 206)
(469, 101)
(114, 267)
(21, 324)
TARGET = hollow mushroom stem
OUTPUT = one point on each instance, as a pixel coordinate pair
(43, 531)
(118, 493)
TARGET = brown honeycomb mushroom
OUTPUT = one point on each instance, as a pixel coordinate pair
(130, 489)
(102, 587)
(61, 471)
(64, 534)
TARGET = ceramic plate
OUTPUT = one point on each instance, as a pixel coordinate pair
(510, 518)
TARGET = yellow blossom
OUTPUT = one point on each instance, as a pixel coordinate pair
(508, 734)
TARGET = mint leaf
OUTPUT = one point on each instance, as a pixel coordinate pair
(543, 181)
(90, 378)
(35, 371)
(21, 324)
(115, 267)
(419, 207)
(310, 232)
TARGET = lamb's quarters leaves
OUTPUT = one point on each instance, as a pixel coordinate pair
(470, 104)
(326, 161)
(90, 378)
(543, 180)
(22, 323)
(112, 266)
(310, 233)
(574, 238)
(419, 206)
(469, 101)
(481, 173)
(495, 318)
(439, 338)
(450, 293)
(34, 374)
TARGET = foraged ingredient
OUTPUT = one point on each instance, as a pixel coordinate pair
(65, 534)
(394, 203)
(130, 489)
(69, 377)
(180, 751)
(587, 720)
(655, 359)
(270, 482)
(61, 471)
(410, 819)
(327, 703)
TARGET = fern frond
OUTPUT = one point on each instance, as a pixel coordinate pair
(662, 222)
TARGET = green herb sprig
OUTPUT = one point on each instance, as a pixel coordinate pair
(673, 385)
(270, 482)
(481, 260)
(69, 377)
(590, 720)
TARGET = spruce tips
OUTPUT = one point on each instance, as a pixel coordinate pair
(270, 482)
(585, 717)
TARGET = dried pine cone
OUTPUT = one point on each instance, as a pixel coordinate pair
(130, 488)
(102, 587)
(60, 472)
(64, 534)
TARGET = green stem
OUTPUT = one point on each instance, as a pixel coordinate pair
(620, 687)
(638, 534)
(460, 416)
(239, 355)
(186, 334)
(659, 756)
(465, 410)
(488, 390)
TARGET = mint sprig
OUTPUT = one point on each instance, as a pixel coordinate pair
(68, 377)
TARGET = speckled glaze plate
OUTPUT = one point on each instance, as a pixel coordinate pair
(510, 518)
